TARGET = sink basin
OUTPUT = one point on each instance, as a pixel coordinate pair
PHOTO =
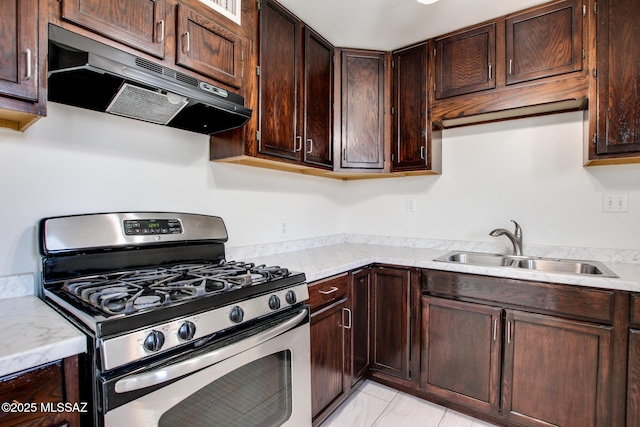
(544, 265)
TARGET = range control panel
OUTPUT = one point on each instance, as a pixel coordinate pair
(143, 227)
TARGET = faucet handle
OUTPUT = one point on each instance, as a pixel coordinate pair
(518, 231)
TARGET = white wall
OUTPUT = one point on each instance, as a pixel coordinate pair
(79, 161)
(529, 170)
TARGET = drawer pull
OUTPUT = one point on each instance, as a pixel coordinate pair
(330, 291)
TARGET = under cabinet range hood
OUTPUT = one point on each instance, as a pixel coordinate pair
(89, 74)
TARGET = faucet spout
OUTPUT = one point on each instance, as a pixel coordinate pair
(515, 237)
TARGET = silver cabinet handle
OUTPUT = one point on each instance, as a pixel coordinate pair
(495, 329)
(344, 154)
(188, 37)
(349, 313)
(489, 71)
(161, 32)
(310, 141)
(298, 146)
(422, 153)
(509, 332)
(28, 75)
(510, 65)
(148, 379)
(330, 291)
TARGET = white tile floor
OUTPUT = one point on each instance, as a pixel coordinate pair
(375, 405)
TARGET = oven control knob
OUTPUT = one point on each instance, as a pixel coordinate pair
(237, 314)
(291, 297)
(274, 302)
(154, 341)
(186, 331)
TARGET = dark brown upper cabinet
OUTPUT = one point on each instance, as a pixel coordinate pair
(208, 48)
(410, 146)
(617, 116)
(280, 51)
(318, 99)
(296, 87)
(141, 24)
(544, 42)
(465, 62)
(362, 89)
(19, 49)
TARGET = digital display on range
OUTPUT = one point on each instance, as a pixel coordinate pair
(143, 227)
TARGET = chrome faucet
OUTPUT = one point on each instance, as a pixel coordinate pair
(515, 237)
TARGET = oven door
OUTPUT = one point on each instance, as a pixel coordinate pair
(259, 379)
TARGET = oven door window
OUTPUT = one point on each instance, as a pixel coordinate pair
(256, 394)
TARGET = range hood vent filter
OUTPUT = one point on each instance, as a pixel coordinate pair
(139, 103)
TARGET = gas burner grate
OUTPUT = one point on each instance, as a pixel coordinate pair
(129, 292)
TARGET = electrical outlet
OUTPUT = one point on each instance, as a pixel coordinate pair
(615, 203)
(411, 204)
(283, 228)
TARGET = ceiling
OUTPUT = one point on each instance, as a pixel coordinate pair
(391, 24)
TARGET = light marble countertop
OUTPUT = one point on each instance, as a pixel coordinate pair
(32, 334)
(326, 261)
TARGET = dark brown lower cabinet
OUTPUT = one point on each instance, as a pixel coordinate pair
(462, 345)
(556, 371)
(359, 336)
(328, 357)
(633, 385)
(40, 388)
(391, 321)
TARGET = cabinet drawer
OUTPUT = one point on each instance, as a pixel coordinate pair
(327, 291)
(562, 300)
(40, 385)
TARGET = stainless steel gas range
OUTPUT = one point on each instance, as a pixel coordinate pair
(176, 334)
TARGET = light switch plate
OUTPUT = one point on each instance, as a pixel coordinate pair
(615, 203)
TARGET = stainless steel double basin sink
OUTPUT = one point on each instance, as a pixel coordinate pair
(542, 265)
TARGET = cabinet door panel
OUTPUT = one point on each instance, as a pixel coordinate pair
(19, 48)
(410, 108)
(362, 110)
(462, 347)
(280, 53)
(327, 357)
(208, 48)
(555, 371)
(139, 23)
(465, 62)
(360, 306)
(318, 101)
(544, 42)
(618, 70)
(391, 321)
(633, 386)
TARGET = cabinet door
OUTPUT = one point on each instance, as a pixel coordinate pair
(555, 371)
(410, 108)
(280, 52)
(461, 352)
(327, 357)
(138, 23)
(362, 109)
(19, 48)
(633, 385)
(618, 123)
(390, 318)
(544, 42)
(318, 99)
(208, 48)
(465, 62)
(360, 295)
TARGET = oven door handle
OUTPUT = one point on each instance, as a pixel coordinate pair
(152, 378)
